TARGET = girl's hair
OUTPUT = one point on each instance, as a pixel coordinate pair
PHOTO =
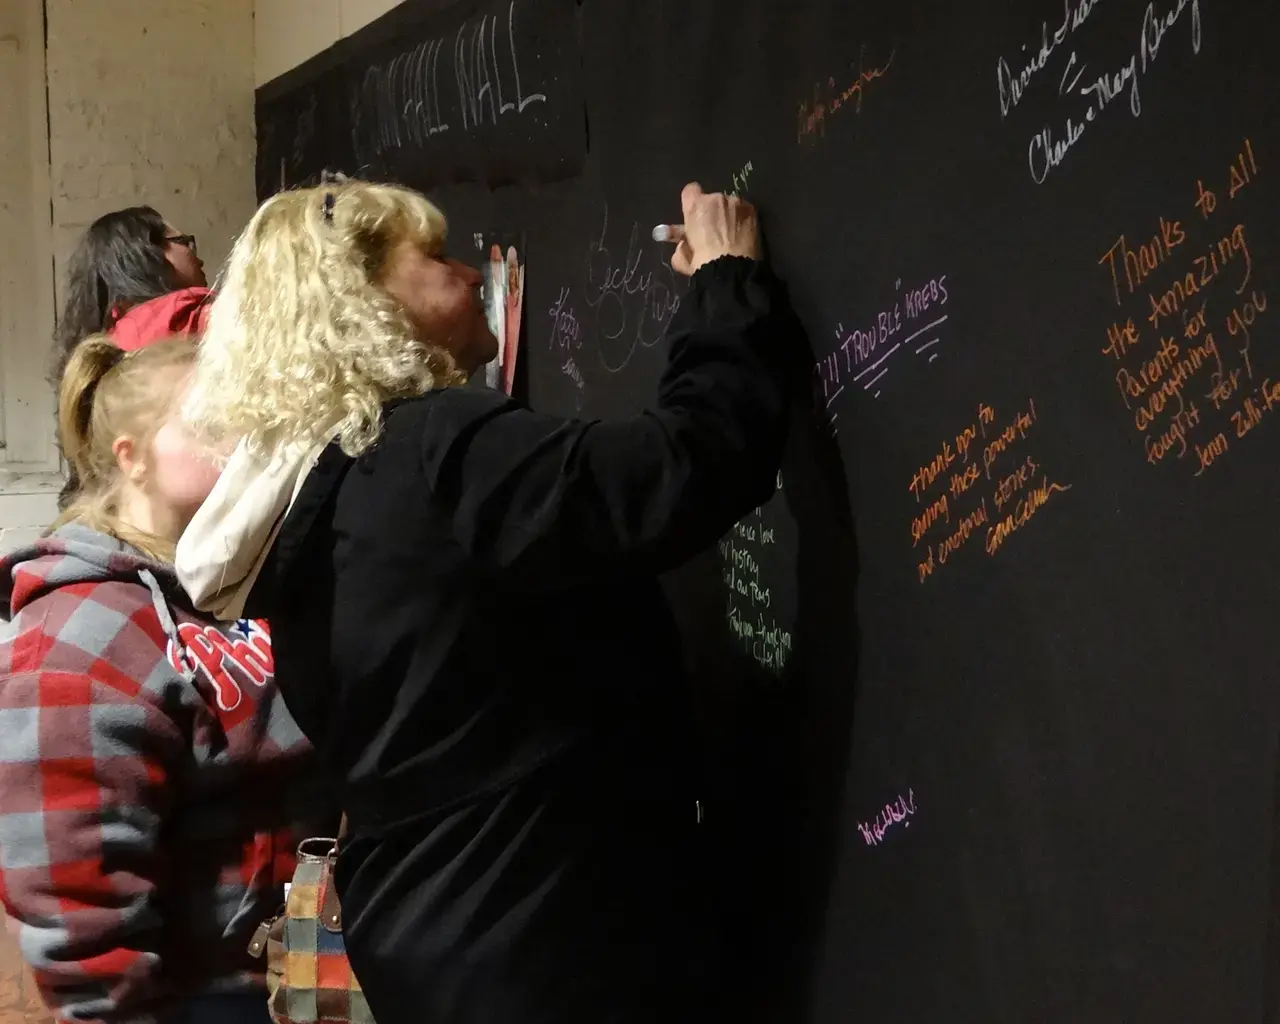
(107, 393)
(302, 339)
(118, 264)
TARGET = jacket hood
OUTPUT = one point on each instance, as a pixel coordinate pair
(223, 549)
(184, 312)
(76, 554)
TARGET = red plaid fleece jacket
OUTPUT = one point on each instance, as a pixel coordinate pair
(153, 787)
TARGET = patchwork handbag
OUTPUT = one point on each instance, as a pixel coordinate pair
(309, 979)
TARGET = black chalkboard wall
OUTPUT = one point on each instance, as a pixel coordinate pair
(990, 705)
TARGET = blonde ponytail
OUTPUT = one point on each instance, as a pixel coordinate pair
(91, 361)
(106, 394)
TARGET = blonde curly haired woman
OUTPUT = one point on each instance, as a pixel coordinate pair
(465, 604)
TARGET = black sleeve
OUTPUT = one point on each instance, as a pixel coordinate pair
(570, 498)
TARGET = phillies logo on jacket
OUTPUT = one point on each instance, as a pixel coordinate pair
(205, 649)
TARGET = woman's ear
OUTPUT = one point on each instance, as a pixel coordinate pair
(128, 459)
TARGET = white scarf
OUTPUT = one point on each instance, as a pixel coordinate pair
(226, 543)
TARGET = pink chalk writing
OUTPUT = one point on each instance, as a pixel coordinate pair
(900, 812)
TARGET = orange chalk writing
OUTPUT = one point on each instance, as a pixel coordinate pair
(1211, 452)
(1012, 484)
(1248, 416)
(1203, 272)
(1224, 388)
(835, 97)
(1173, 440)
(1243, 169)
(1023, 513)
(967, 528)
(1120, 339)
(1130, 265)
(1240, 323)
(1206, 200)
(936, 512)
(986, 416)
(1013, 432)
(963, 440)
(961, 482)
(978, 498)
(1181, 351)
(924, 477)
(925, 569)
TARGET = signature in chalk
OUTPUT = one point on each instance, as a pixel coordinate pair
(570, 370)
(811, 116)
(566, 332)
(632, 306)
(900, 812)
(1049, 148)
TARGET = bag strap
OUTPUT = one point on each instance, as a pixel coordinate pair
(330, 907)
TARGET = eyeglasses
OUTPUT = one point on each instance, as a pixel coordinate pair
(186, 240)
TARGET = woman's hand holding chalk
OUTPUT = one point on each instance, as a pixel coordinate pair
(714, 225)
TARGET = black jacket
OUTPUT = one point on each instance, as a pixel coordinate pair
(468, 624)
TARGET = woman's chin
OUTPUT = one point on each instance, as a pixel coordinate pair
(476, 360)
(488, 347)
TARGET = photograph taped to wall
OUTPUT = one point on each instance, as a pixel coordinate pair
(503, 268)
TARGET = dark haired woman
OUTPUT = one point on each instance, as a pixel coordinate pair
(135, 278)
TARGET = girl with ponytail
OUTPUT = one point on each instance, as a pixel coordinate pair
(141, 475)
(153, 787)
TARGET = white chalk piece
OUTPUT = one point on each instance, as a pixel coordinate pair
(668, 233)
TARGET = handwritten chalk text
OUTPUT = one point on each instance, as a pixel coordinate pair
(973, 487)
(899, 812)
(1192, 301)
(835, 98)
